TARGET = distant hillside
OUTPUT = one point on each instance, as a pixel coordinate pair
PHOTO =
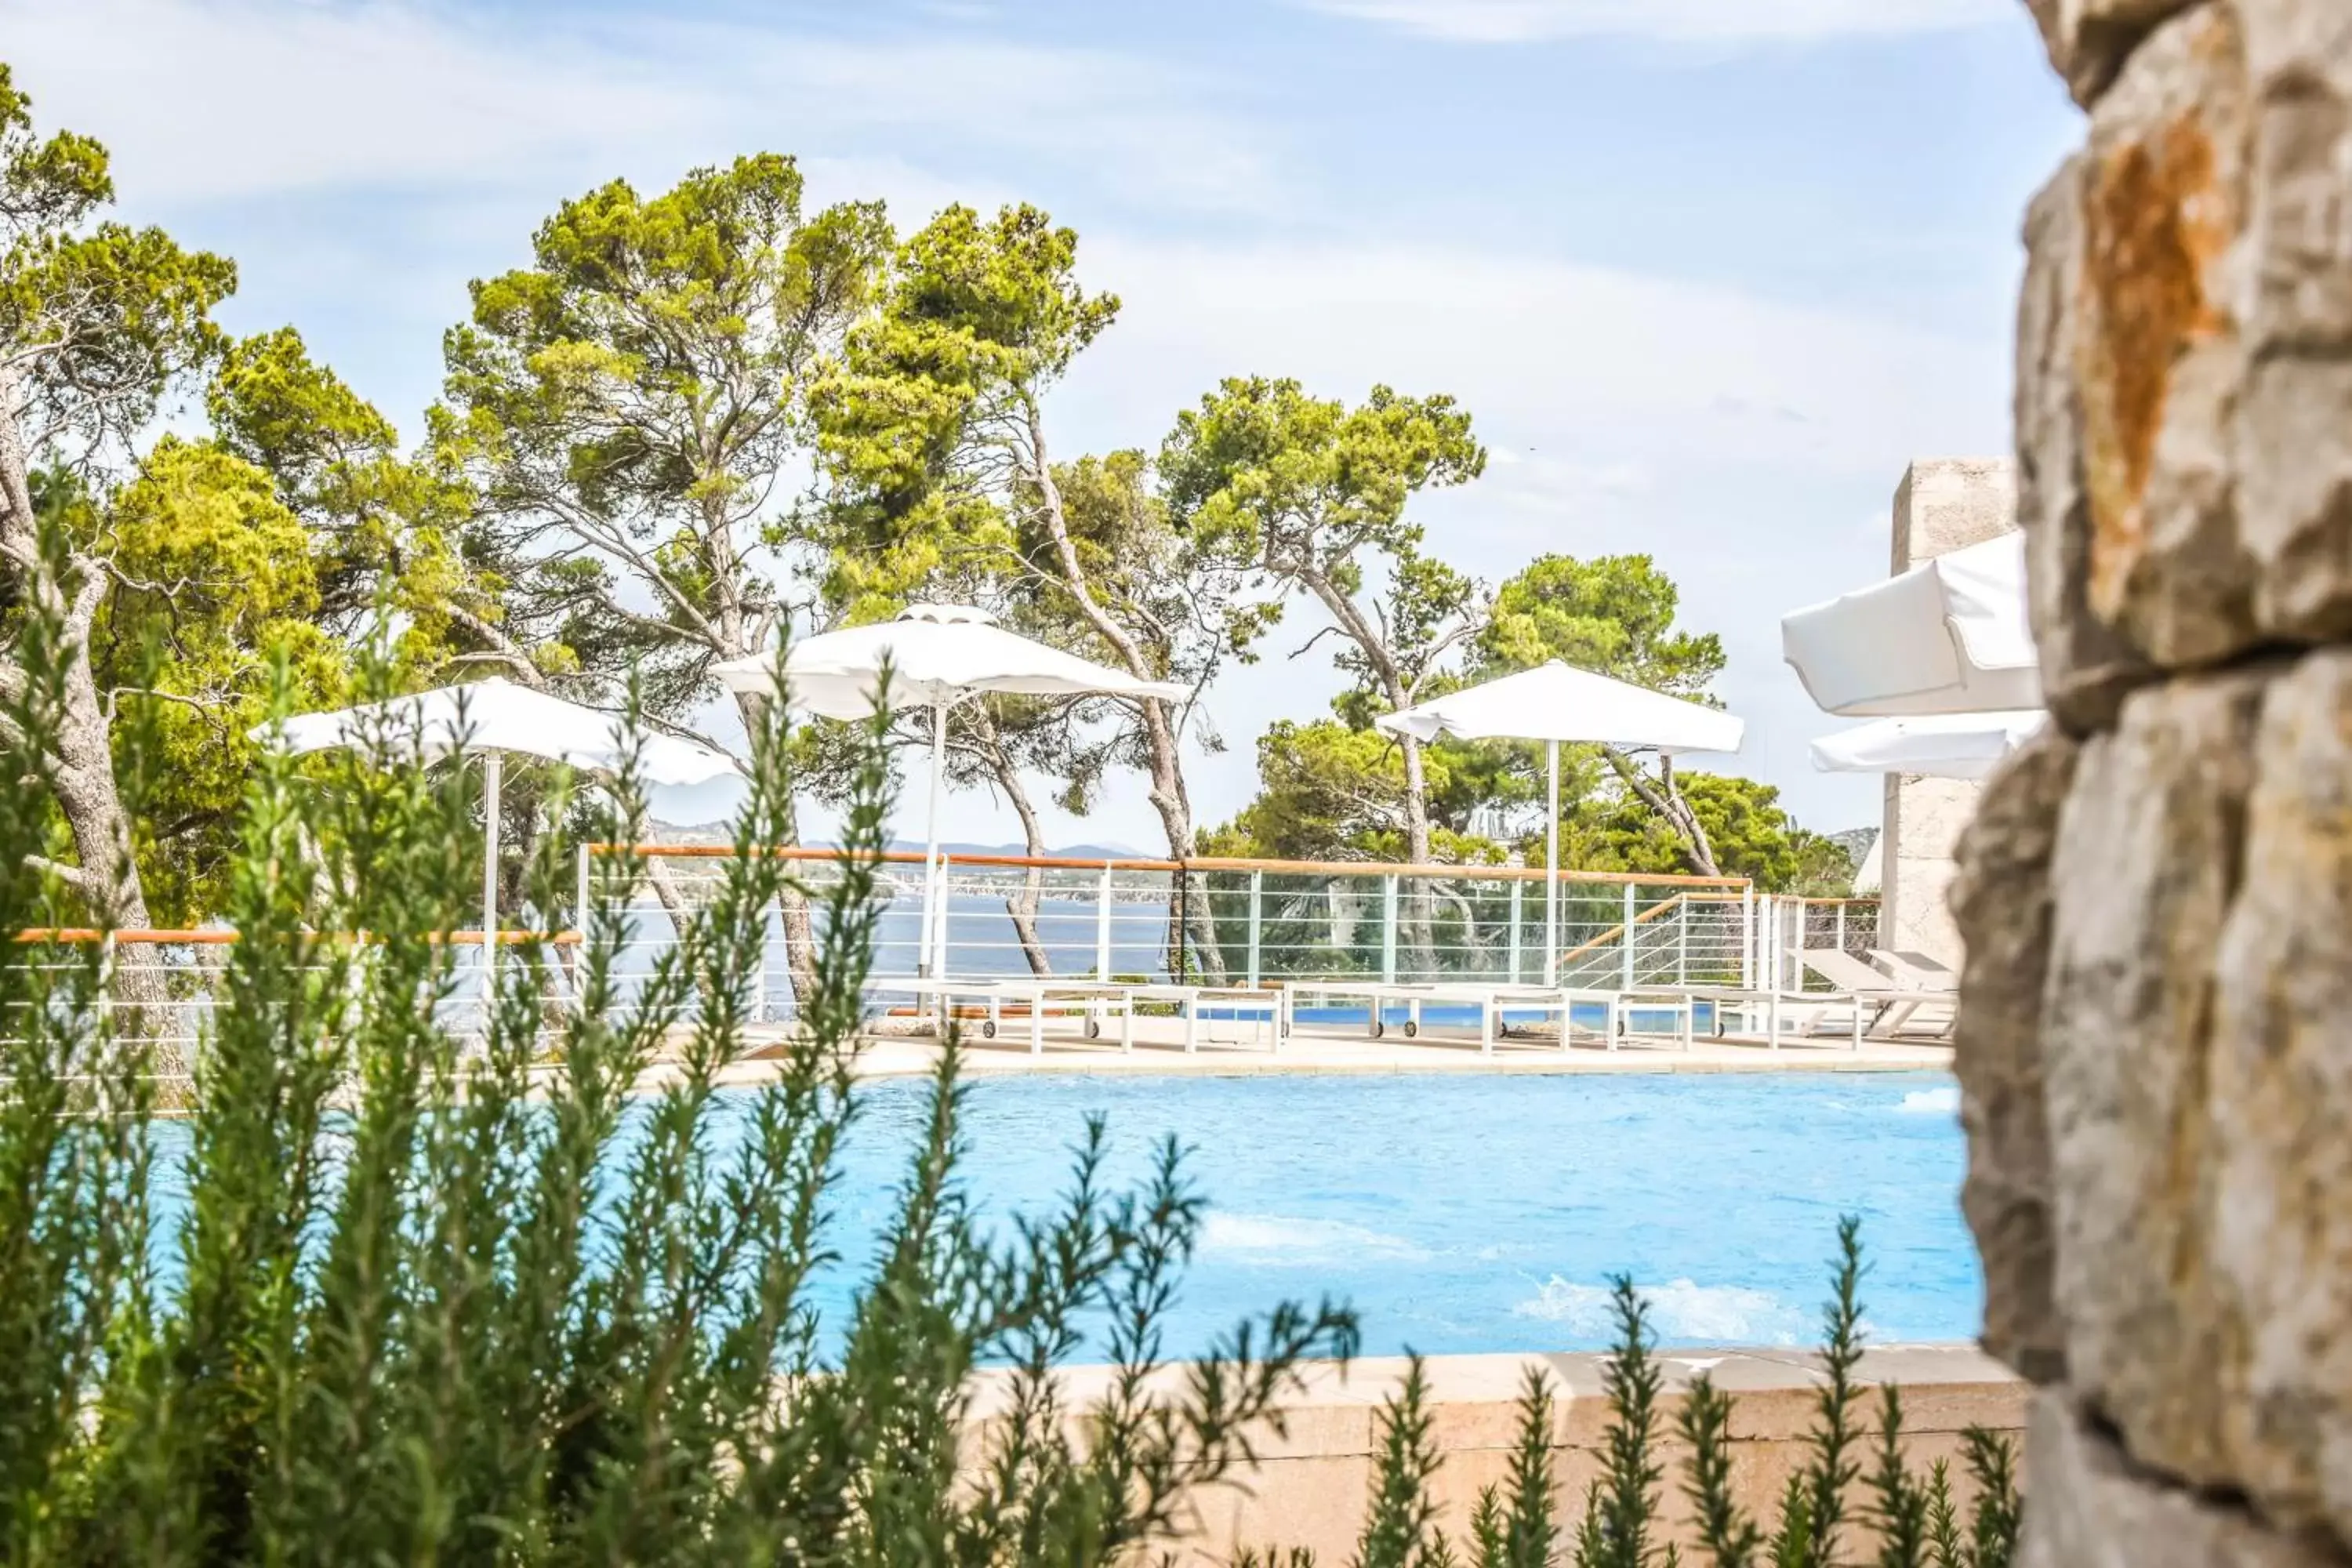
(1854, 841)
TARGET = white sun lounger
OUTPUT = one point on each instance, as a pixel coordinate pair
(1490, 999)
(1087, 1000)
(1265, 1008)
(1784, 1014)
(1914, 971)
(1891, 1001)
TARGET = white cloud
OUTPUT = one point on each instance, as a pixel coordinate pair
(1680, 21)
(362, 160)
(1595, 380)
(205, 100)
(1737, 438)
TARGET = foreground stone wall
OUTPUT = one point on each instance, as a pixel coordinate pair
(2155, 1035)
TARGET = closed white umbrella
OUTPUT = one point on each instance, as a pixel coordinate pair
(494, 717)
(1556, 702)
(1948, 636)
(936, 655)
(1941, 745)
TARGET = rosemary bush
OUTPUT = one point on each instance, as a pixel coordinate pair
(1917, 1519)
(426, 1299)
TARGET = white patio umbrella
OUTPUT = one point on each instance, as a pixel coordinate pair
(1556, 702)
(495, 717)
(1941, 745)
(938, 655)
(1948, 636)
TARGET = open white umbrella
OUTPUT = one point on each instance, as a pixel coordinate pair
(1556, 702)
(937, 655)
(495, 717)
(1941, 745)
(1948, 636)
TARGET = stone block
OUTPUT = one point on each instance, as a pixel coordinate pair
(1943, 504)
(2087, 1507)
(2294, 443)
(2086, 665)
(2145, 864)
(2087, 39)
(1920, 830)
(2208, 331)
(2159, 365)
(2002, 901)
(2280, 1102)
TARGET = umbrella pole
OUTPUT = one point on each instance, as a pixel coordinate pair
(933, 942)
(1551, 864)
(490, 869)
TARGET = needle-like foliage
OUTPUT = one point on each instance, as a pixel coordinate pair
(1914, 1523)
(422, 1281)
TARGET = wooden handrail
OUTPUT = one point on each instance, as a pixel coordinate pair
(1617, 931)
(1204, 864)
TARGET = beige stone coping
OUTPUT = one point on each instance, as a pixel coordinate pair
(1312, 1480)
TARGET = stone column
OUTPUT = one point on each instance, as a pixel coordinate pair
(1943, 504)
(2156, 1025)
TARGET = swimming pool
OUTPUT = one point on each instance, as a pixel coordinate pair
(1476, 1212)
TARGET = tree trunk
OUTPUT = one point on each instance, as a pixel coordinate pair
(793, 905)
(1167, 764)
(82, 769)
(1698, 850)
(1021, 908)
(1189, 910)
(1413, 924)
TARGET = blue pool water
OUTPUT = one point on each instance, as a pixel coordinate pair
(1476, 1212)
(1487, 1212)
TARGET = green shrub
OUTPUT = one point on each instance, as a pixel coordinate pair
(1917, 1521)
(432, 1301)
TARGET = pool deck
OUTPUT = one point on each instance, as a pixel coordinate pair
(1159, 1050)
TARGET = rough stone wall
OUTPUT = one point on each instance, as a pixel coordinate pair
(1943, 504)
(2156, 1028)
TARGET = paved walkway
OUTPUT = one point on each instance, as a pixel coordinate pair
(1226, 1050)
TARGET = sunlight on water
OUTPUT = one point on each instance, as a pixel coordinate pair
(1679, 1309)
(1465, 1213)
(1489, 1212)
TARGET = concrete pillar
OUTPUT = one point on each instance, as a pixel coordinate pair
(1943, 504)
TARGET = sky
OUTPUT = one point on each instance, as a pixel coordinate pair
(1706, 273)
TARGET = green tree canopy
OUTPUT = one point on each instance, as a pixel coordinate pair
(1331, 790)
(942, 481)
(98, 322)
(216, 583)
(1753, 835)
(630, 404)
(1314, 494)
(1613, 615)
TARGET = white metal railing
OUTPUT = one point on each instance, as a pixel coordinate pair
(1253, 921)
(1241, 922)
(1790, 927)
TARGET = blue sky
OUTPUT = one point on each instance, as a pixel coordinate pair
(1707, 272)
